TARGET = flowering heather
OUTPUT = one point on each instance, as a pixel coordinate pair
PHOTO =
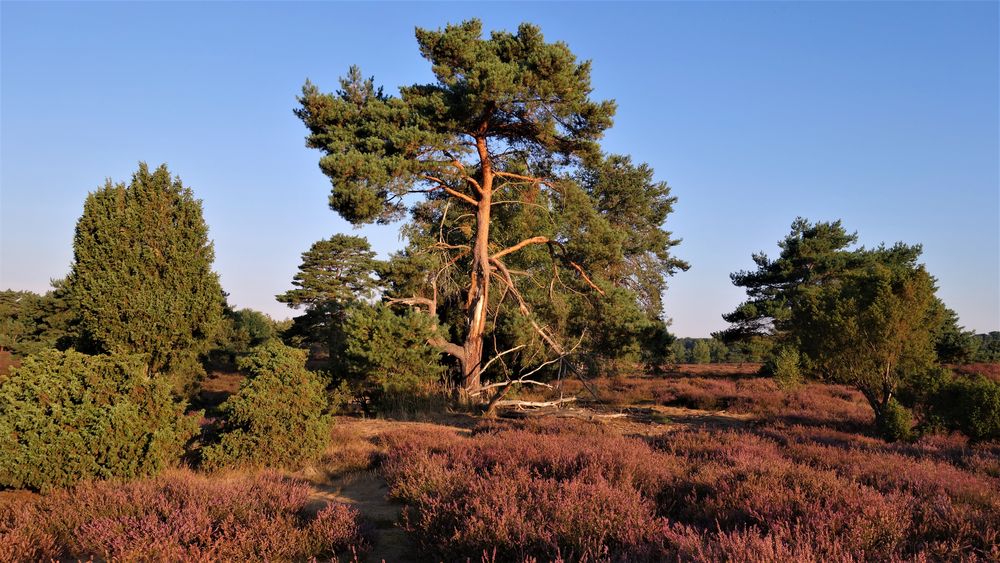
(812, 404)
(579, 492)
(179, 517)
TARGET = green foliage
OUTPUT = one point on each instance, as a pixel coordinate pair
(954, 344)
(784, 368)
(873, 329)
(504, 145)
(701, 353)
(334, 273)
(337, 270)
(141, 279)
(17, 321)
(894, 422)
(279, 416)
(988, 349)
(810, 255)
(66, 416)
(863, 317)
(970, 405)
(30, 323)
(272, 355)
(242, 330)
(378, 148)
(678, 351)
(388, 357)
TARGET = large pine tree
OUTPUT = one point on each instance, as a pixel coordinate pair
(500, 144)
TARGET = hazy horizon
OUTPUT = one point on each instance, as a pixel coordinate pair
(883, 115)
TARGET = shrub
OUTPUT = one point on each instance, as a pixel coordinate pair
(895, 423)
(278, 417)
(388, 358)
(180, 516)
(784, 368)
(970, 405)
(66, 416)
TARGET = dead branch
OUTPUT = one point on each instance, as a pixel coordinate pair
(534, 404)
(449, 190)
(523, 306)
(497, 357)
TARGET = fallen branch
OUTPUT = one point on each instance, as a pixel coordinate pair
(533, 404)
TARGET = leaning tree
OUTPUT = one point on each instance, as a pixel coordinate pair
(508, 124)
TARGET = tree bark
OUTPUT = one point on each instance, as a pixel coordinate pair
(479, 289)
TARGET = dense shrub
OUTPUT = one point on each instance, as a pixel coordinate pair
(391, 366)
(278, 417)
(895, 423)
(179, 517)
(970, 405)
(66, 416)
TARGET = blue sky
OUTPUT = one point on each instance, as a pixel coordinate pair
(884, 115)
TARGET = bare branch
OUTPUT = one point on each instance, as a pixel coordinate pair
(505, 276)
(498, 356)
(534, 404)
(585, 277)
(429, 303)
(520, 245)
(449, 190)
(522, 177)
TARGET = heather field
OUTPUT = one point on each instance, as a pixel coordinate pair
(705, 463)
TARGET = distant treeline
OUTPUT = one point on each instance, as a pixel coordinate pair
(977, 348)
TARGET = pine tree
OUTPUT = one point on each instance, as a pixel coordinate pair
(334, 273)
(142, 279)
(507, 129)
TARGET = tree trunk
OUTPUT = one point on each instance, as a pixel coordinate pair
(479, 290)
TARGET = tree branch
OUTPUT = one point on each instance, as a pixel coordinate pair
(449, 190)
(520, 245)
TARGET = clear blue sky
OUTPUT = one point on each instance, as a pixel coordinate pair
(884, 115)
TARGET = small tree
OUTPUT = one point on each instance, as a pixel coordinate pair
(863, 317)
(387, 356)
(334, 273)
(701, 353)
(142, 280)
(873, 329)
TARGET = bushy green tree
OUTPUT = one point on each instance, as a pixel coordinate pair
(66, 416)
(504, 146)
(242, 330)
(141, 279)
(278, 418)
(700, 352)
(811, 255)
(17, 310)
(864, 317)
(873, 329)
(784, 367)
(387, 355)
(954, 344)
(988, 349)
(970, 405)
